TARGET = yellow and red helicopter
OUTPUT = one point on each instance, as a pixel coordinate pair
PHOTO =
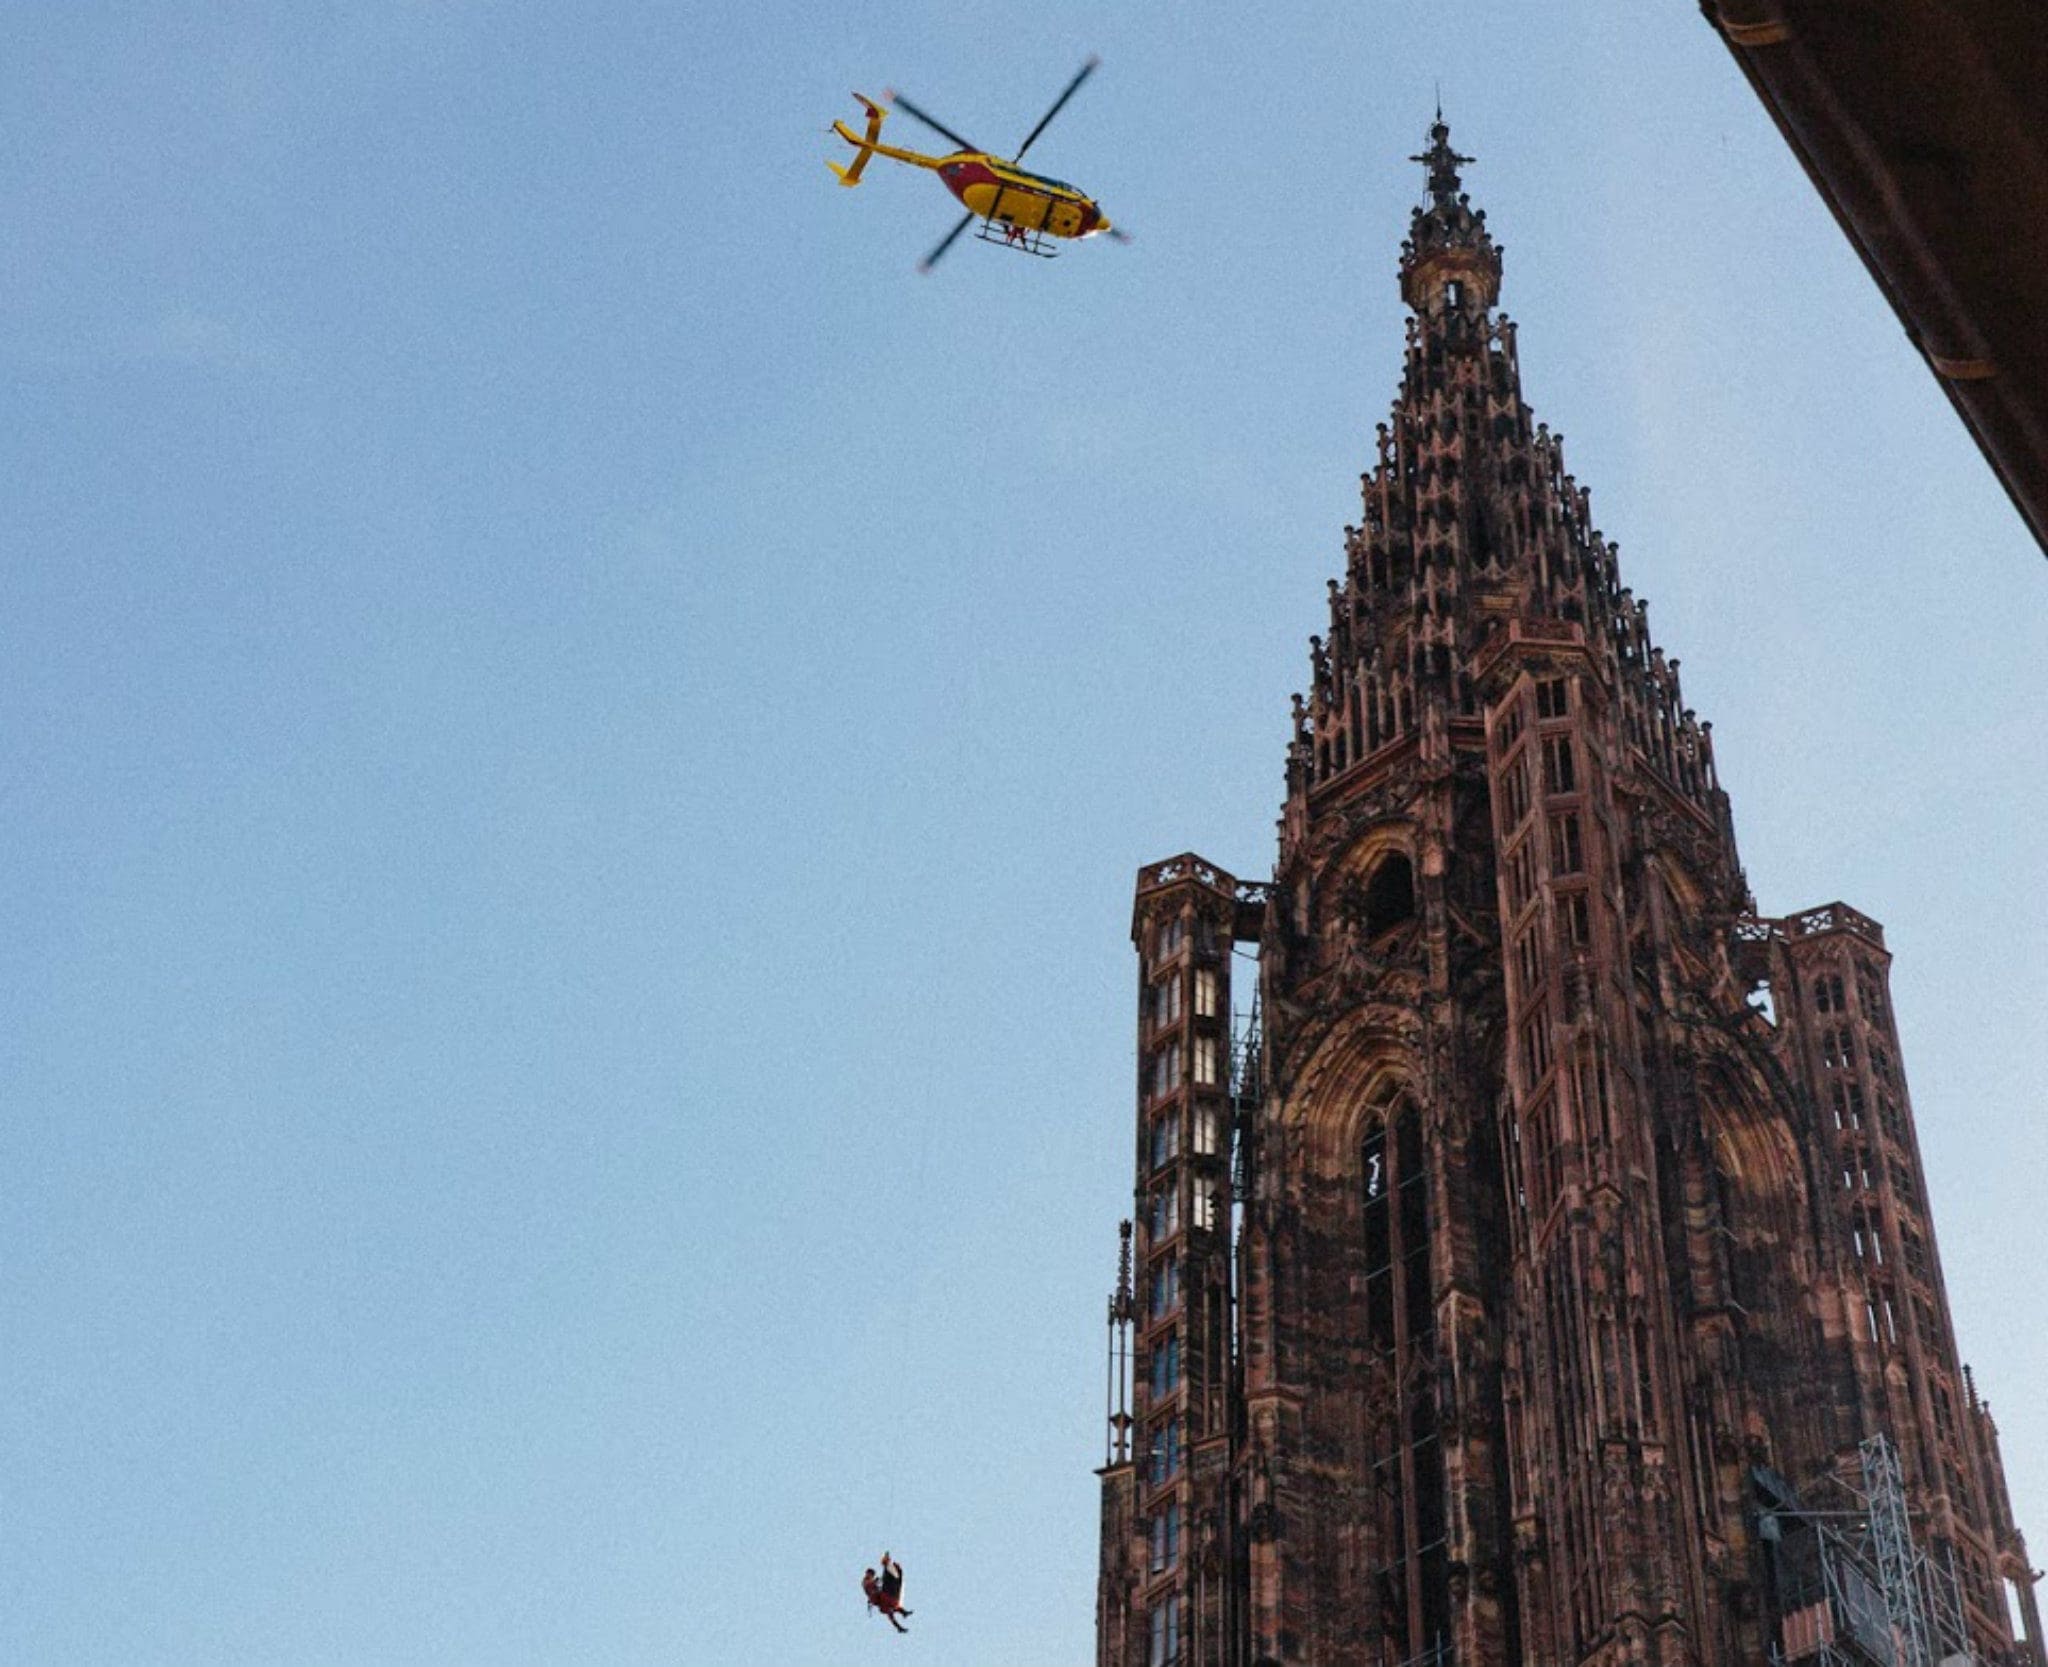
(1016, 208)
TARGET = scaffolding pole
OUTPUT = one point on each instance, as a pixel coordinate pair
(1891, 1546)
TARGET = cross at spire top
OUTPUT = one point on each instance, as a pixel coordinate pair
(1441, 162)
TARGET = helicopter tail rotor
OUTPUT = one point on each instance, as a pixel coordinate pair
(863, 147)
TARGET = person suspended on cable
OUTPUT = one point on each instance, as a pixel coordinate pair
(892, 1582)
(886, 1594)
(879, 1598)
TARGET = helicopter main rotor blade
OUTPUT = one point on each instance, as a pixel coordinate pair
(1058, 105)
(938, 127)
(931, 260)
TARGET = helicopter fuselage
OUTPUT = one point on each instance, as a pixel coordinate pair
(998, 190)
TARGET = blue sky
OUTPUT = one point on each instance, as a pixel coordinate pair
(577, 737)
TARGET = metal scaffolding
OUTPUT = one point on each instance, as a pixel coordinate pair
(1851, 1586)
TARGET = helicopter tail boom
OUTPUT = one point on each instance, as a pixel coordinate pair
(869, 144)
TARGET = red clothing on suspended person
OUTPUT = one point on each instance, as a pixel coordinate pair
(884, 1597)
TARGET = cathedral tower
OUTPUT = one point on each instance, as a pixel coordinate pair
(1553, 1237)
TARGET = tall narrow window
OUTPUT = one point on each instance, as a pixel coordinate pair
(1379, 1256)
(1560, 774)
(1514, 791)
(1205, 1061)
(1166, 1538)
(1165, 1287)
(1593, 1103)
(1578, 920)
(1512, 1143)
(1163, 1454)
(1516, 894)
(1165, 1641)
(1166, 1069)
(1165, 1142)
(1567, 851)
(1413, 1581)
(1205, 992)
(1166, 1001)
(1166, 1366)
(1930, 1327)
(1507, 728)
(1646, 1383)
(1536, 1045)
(1519, 871)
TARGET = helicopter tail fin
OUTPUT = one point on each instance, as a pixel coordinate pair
(863, 147)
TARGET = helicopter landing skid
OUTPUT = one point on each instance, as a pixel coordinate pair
(1006, 235)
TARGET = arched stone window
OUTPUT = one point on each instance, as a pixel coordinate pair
(1389, 895)
(1760, 1249)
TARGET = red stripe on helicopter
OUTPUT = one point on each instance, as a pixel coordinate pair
(960, 176)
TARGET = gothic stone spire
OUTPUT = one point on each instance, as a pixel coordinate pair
(1470, 524)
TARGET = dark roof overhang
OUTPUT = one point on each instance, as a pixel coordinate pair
(1924, 125)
